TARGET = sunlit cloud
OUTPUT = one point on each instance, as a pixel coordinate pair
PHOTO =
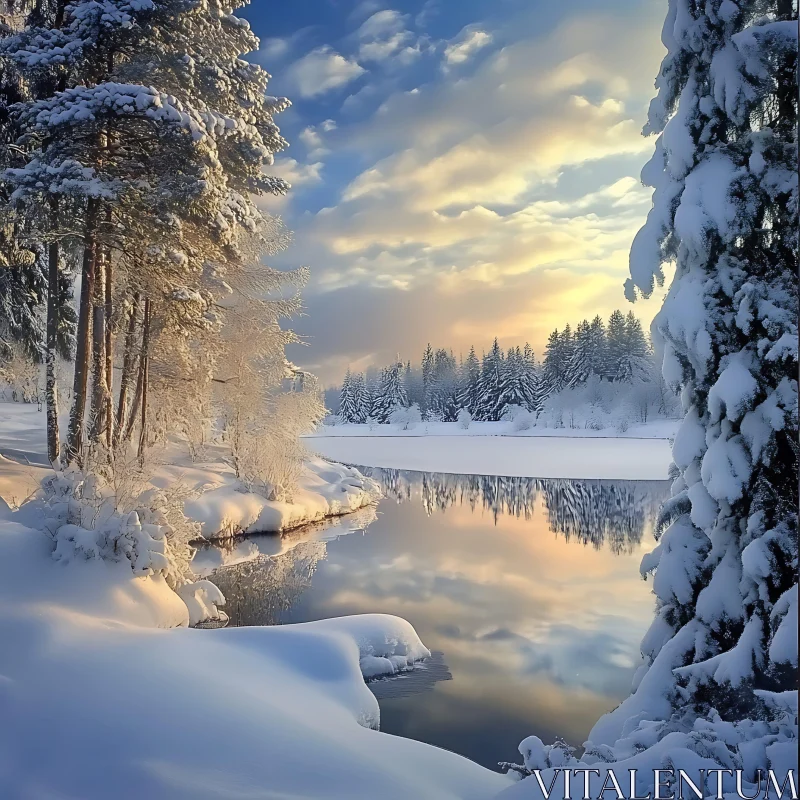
(469, 41)
(321, 71)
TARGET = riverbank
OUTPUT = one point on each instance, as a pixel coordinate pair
(216, 499)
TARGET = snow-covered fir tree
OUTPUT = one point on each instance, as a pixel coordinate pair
(390, 393)
(490, 385)
(512, 390)
(468, 382)
(347, 404)
(531, 382)
(581, 364)
(635, 360)
(725, 209)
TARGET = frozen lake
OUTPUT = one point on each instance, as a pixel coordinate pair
(527, 591)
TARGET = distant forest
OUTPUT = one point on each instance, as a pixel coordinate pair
(610, 364)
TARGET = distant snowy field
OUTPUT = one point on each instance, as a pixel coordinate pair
(491, 448)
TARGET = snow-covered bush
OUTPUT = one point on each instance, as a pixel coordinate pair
(82, 516)
(406, 418)
(464, 419)
(519, 417)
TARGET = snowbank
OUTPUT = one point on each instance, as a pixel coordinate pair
(326, 490)
(99, 701)
(580, 458)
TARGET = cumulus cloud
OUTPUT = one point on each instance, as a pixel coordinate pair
(311, 137)
(386, 35)
(321, 71)
(296, 173)
(469, 41)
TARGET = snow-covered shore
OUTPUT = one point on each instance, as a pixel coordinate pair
(641, 453)
(97, 700)
(219, 502)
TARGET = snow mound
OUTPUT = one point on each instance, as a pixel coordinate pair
(325, 490)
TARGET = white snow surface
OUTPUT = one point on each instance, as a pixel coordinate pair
(486, 449)
(98, 700)
(326, 490)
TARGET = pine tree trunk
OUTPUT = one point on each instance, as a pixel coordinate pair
(109, 348)
(51, 387)
(97, 414)
(128, 361)
(81, 380)
(145, 368)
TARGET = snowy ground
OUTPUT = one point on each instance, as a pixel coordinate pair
(489, 448)
(657, 429)
(219, 504)
(97, 700)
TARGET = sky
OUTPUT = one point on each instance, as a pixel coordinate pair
(461, 169)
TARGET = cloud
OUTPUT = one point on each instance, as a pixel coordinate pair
(321, 71)
(470, 40)
(296, 173)
(311, 137)
(385, 35)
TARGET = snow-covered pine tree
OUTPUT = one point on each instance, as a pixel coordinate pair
(428, 379)
(490, 383)
(725, 209)
(634, 365)
(512, 386)
(555, 366)
(347, 405)
(390, 394)
(361, 400)
(176, 229)
(616, 346)
(444, 386)
(468, 382)
(581, 364)
(598, 345)
(531, 383)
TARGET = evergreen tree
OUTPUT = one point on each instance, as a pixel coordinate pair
(581, 364)
(616, 346)
(490, 384)
(598, 345)
(361, 399)
(347, 402)
(428, 379)
(173, 167)
(556, 365)
(468, 390)
(635, 362)
(530, 381)
(725, 210)
(512, 385)
(391, 393)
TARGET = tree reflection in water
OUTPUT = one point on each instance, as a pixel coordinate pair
(268, 579)
(595, 512)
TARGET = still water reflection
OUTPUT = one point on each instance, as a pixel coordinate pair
(527, 591)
